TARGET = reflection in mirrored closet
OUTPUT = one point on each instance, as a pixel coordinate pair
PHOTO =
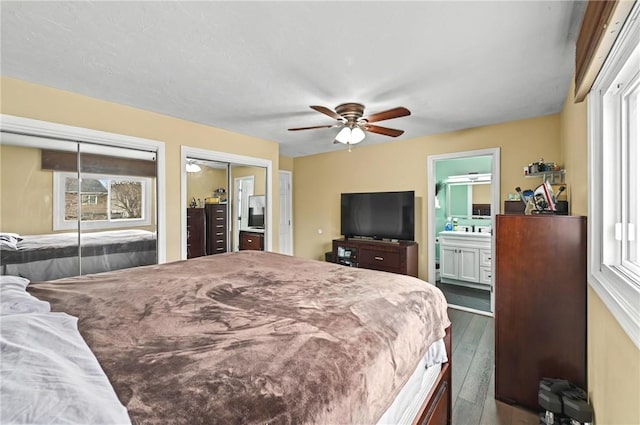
(226, 206)
(71, 208)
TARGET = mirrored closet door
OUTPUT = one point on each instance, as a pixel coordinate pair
(71, 208)
(226, 206)
(207, 211)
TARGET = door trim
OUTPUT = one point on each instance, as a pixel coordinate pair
(237, 226)
(289, 206)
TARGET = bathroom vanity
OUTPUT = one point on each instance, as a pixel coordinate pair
(465, 259)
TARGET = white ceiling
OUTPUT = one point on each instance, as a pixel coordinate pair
(255, 67)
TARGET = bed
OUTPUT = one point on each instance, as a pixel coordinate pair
(54, 256)
(260, 338)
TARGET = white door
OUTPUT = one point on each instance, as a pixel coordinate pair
(242, 189)
(285, 227)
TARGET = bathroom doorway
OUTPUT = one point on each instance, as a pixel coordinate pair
(463, 199)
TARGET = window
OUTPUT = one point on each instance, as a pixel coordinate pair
(106, 201)
(89, 199)
(614, 211)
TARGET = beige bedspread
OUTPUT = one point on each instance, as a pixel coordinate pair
(253, 337)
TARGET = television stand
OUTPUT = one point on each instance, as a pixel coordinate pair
(396, 257)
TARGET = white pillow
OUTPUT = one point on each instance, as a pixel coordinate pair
(9, 241)
(15, 300)
(48, 374)
(9, 244)
(7, 281)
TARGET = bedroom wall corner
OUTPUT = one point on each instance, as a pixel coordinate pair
(573, 142)
(286, 163)
(613, 361)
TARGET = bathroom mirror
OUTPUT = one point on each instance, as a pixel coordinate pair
(469, 199)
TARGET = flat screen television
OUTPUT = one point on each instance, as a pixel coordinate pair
(256, 211)
(378, 215)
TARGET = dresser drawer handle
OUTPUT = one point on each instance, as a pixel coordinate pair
(220, 240)
(379, 258)
(219, 218)
(219, 233)
(219, 225)
(249, 240)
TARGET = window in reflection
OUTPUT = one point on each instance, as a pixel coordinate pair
(106, 201)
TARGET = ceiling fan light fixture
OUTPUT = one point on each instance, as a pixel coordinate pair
(344, 135)
(357, 135)
(350, 136)
(192, 167)
(353, 125)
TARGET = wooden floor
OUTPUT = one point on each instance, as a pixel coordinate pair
(473, 375)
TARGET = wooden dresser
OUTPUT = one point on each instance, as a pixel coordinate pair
(195, 232)
(400, 257)
(216, 215)
(540, 318)
(251, 240)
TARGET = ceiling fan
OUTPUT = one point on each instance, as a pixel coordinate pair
(350, 118)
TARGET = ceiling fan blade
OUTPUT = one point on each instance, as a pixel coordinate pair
(383, 130)
(311, 128)
(326, 111)
(398, 112)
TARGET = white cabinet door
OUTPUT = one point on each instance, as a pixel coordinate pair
(469, 264)
(448, 262)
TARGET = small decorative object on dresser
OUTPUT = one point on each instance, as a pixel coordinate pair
(513, 207)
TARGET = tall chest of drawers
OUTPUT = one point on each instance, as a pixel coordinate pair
(216, 228)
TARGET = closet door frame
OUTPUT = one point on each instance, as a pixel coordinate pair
(32, 133)
(234, 159)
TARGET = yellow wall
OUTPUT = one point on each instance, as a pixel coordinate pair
(613, 361)
(286, 163)
(34, 101)
(613, 371)
(573, 139)
(402, 165)
(201, 185)
(480, 193)
(26, 201)
(259, 178)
